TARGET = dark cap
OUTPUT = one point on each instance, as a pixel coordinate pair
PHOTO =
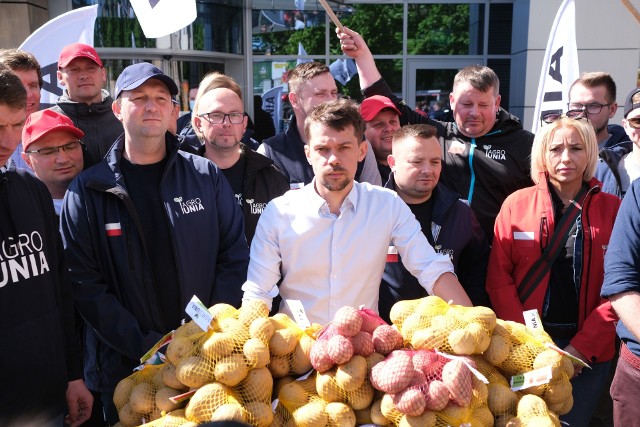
(135, 75)
(77, 50)
(372, 106)
(629, 106)
(43, 122)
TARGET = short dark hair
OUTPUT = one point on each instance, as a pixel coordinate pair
(304, 72)
(421, 131)
(337, 114)
(479, 77)
(21, 60)
(12, 92)
(595, 79)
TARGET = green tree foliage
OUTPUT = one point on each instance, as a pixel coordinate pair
(438, 29)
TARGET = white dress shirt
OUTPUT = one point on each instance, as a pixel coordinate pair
(327, 261)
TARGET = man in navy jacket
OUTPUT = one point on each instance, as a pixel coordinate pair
(144, 230)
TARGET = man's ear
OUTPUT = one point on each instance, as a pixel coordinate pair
(612, 109)
(363, 147)
(307, 152)
(293, 99)
(27, 159)
(115, 107)
(59, 77)
(392, 162)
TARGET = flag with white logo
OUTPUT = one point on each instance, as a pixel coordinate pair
(343, 70)
(46, 43)
(272, 104)
(560, 66)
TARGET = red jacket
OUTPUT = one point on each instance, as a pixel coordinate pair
(530, 210)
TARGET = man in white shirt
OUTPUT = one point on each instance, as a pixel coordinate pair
(328, 242)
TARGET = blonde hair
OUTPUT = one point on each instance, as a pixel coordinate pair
(544, 137)
(214, 80)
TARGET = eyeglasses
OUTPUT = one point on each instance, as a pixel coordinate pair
(577, 109)
(634, 122)
(219, 118)
(53, 151)
(554, 116)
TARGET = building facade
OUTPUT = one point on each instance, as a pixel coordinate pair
(418, 44)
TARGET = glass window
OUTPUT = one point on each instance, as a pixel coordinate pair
(502, 67)
(500, 19)
(445, 29)
(218, 27)
(117, 26)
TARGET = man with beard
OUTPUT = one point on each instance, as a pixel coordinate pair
(325, 245)
(382, 120)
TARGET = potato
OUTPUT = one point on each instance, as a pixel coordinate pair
(123, 391)
(340, 349)
(347, 321)
(218, 345)
(456, 376)
(141, 399)
(278, 383)
(279, 366)
(498, 350)
(558, 391)
(455, 414)
(262, 328)
(394, 374)
(501, 399)
(549, 358)
(312, 414)
(194, 372)
(327, 387)
(256, 353)
(372, 360)
(410, 401)
(461, 342)
(401, 310)
(189, 330)
(259, 414)
(340, 415)
(531, 406)
(230, 412)
(386, 339)
(300, 363)
(281, 321)
(362, 344)
(169, 376)
(206, 400)
(388, 409)
(251, 310)
(483, 315)
(351, 375)
(129, 417)
(521, 358)
(376, 414)
(293, 396)
(411, 324)
(426, 419)
(563, 407)
(429, 338)
(363, 416)
(306, 342)
(482, 417)
(178, 349)
(437, 395)
(480, 390)
(362, 397)
(162, 399)
(481, 338)
(257, 386)
(283, 342)
(234, 327)
(222, 310)
(319, 356)
(230, 370)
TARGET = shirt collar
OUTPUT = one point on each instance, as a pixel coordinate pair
(319, 204)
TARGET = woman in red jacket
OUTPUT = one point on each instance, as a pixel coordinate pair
(567, 297)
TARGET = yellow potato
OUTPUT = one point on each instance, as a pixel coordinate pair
(162, 399)
(123, 391)
(259, 414)
(262, 328)
(283, 341)
(194, 372)
(256, 353)
(218, 345)
(340, 415)
(230, 370)
(279, 366)
(257, 386)
(312, 414)
(351, 375)
(142, 398)
(178, 349)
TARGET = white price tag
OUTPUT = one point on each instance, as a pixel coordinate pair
(298, 313)
(532, 319)
(531, 378)
(199, 313)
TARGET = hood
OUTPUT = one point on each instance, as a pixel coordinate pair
(105, 104)
(505, 123)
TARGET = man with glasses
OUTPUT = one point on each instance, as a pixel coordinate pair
(81, 72)
(219, 122)
(53, 150)
(145, 230)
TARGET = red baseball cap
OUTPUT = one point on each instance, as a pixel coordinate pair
(371, 106)
(44, 122)
(77, 50)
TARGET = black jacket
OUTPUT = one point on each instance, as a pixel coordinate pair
(262, 183)
(457, 233)
(41, 347)
(500, 159)
(100, 126)
(110, 261)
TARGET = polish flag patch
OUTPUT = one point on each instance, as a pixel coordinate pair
(113, 229)
(392, 254)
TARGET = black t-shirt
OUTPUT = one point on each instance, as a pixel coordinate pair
(423, 212)
(562, 293)
(143, 185)
(385, 171)
(235, 176)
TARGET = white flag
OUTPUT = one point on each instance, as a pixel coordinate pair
(272, 104)
(343, 70)
(47, 42)
(560, 67)
(302, 52)
(159, 18)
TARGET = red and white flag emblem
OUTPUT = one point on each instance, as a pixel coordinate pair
(113, 229)
(392, 254)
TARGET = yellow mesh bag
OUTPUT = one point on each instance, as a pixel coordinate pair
(175, 418)
(134, 396)
(215, 402)
(432, 323)
(289, 346)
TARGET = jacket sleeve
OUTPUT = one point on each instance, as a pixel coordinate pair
(233, 252)
(98, 305)
(597, 336)
(472, 264)
(500, 285)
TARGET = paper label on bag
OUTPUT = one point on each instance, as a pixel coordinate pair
(154, 350)
(531, 378)
(182, 397)
(532, 319)
(574, 359)
(298, 313)
(199, 313)
(465, 360)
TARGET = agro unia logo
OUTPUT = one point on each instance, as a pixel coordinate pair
(22, 257)
(189, 206)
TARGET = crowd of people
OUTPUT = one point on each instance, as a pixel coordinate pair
(112, 218)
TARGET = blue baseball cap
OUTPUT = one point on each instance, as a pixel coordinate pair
(135, 75)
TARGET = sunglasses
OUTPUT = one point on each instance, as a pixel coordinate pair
(552, 116)
(634, 122)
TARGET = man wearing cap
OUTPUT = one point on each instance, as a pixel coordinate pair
(382, 119)
(53, 150)
(145, 230)
(621, 279)
(24, 65)
(42, 356)
(310, 84)
(85, 102)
